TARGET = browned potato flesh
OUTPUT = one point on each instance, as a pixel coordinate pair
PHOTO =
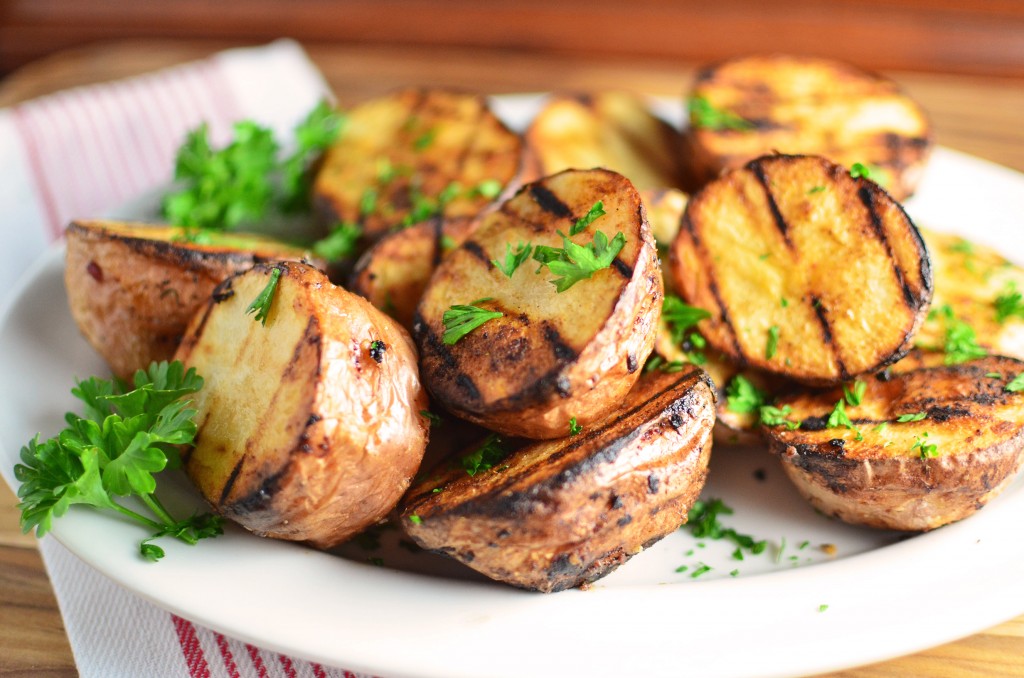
(552, 355)
(132, 288)
(960, 444)
(394, 272)
(309, 427)
(563, 513)
(747, 107)
(411, 155)
(613, 130)
(807, 272)
(980, 288)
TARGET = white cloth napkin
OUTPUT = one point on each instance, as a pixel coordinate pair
(82, 153)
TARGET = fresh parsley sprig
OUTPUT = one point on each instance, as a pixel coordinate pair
(705, 115)
(597, 210)
(485, 457)
(116, 449)
(513, 260)
(573, 263)
(461, 319)
(265, 299)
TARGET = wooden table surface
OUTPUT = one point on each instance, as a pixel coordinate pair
(982, 116)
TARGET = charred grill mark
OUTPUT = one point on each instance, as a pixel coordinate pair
(623, 268)
(826, 334)
(474, 248)
(723, 312)
(311, 336)
(467, 386)
(437, 224)
(431, 344)
(231, 482)
(562, 351)
(549, 202)
(780, 221)
(261, 498)
(867, 197)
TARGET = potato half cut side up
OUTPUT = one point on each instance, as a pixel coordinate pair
(132, 288)
(927, 444)
(414, 154)
(562, 513)
(807, 272)
(747, 107)
(309, 425)
(564, 333)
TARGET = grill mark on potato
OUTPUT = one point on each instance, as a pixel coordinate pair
(438, 347)
(474, 248)
(549, 202)
(310, 335)
(867, 197)
(562, 351)
(780, 222)
(624, 269)
(437, 224)
(826, 334)
(723, 313)
(261, 497)
(230, 484)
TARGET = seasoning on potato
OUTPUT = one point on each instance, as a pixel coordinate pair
(562, 513)
(309, 424)
(547, 312)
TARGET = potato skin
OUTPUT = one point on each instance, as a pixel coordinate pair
(307, 430)
(132, 288)
(883, 480)
(562, 513)
(552, 356)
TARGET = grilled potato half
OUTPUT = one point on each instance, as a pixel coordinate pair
(415, 154)
(747, 107)
(394, 272)
(613, 130)
(548, 355)
(807, 272)
(132, 288)
(974, 286)
(563, 513)
(961, 442)
(309, 426)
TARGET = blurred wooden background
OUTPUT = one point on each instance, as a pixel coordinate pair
(979, 37)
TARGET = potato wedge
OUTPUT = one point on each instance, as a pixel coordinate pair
(961, 443)
(807, 272)
(563, 513)
(406, 157)
(132, 288)
(393, 273)
(747, 107)
(551, 355)
(309, 427)
(613, 130)
(981, 289)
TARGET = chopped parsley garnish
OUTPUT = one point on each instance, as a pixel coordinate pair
(927, 449)
(573, 263)
(484, 457)
(822, 608)
(583, 223)
(460, 320)
(783, 302)
(743, 397)
(125, 438)
(774, 416)
(855, 395)
(880, 427)
(1016, 384)
(574, 427)
(705, 115)
(423, 141)
(815, 189)
(1009, 303)
(340, 243)
(680, 317)
(701, 569)
(435, 421)
(861, 171)
(960, 343)
(772, 345)
(262, 303)
(488, 188)
(415, 519)
(993, 375)
(513, 260)
(916, 416)
(703, 522)
(368, 202)
(839, 417)
(962, 246)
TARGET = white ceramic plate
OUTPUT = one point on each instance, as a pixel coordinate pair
(419, 615)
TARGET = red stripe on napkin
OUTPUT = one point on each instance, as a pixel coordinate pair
(286, 664)
(318, 671)
(257, 661)
(229, 659)
(190, 648)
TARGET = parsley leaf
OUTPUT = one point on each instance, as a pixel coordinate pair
(743, 397)
(704, 114)
(860, 171)
(961, 343)
(583, 223)
(914, 416)
(513, 260)
(927, 449)
(1009, 303)
(680, 317)
(774, 416)
(317, 131)
(839, 417)
(340, 243)
(1016, 384)
(856, 395)
(484, 457)
(702, 519)
(116, 449)
(580, 262)
(574, 427)
(263, 301)
(460, 320)
(772, 345)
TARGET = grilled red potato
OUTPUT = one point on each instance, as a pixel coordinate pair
(563, 513)
(309, 426)
(394, 272)
(807, 272)
(961, 443)
(132, 288)
(747, 107)
(613, 130)
(551, 355)
(415, 154)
